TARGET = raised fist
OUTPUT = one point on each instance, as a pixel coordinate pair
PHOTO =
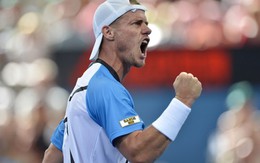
(187, 88)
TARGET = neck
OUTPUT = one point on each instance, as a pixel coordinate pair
(120, 68)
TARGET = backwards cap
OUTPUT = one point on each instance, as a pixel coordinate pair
(107, 13)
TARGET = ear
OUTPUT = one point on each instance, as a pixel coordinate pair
(108, 32)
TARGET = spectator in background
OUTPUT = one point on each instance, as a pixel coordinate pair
(237, 138)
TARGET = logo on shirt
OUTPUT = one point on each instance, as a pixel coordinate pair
(129, 121)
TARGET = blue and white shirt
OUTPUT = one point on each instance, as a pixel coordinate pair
(100, 111)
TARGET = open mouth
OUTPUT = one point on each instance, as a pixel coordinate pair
(144, 45)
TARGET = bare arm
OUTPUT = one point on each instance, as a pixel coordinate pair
(143, 146)
(147, 145)
(52, 155)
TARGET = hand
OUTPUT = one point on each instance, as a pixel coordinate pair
(187, 88)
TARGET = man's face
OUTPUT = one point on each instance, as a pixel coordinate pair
(132, 38)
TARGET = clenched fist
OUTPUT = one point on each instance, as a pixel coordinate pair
(187, 88)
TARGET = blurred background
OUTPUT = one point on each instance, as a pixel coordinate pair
(45, 46)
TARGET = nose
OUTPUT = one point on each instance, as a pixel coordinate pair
(147, 30)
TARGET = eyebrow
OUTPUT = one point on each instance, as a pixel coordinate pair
(134, 2)
(141, 20)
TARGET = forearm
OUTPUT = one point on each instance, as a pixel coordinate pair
(143, 146)
(147, 145)
(52, 155)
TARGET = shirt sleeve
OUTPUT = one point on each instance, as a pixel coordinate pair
(112, 107)
(57, 136)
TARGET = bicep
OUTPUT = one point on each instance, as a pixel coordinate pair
(146, 145)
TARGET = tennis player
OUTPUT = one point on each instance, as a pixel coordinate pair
(101, 124)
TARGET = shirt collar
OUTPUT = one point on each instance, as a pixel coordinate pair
(110, 69)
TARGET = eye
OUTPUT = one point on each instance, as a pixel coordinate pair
(138, 22)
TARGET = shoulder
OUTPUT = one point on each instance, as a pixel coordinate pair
(103, 81)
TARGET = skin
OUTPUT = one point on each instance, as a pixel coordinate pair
(52, 155)
(122, 41)
(121, 50)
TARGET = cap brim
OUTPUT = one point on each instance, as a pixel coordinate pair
(95, 50)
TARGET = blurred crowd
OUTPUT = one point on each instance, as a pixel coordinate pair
(237, 138)
(31, 102)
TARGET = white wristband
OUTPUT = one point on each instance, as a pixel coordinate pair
(172, 119)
